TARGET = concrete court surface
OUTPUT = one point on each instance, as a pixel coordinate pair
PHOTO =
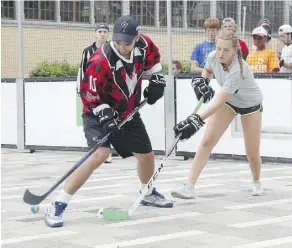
(223, 215)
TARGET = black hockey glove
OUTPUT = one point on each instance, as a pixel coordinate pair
(155, 89)
(107, 117)
(188, 127)
(281, 62)
(202, 88)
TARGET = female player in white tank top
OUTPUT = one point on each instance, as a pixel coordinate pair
(239, 94)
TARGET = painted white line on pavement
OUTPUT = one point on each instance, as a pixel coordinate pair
(261, 222)
(184, 178)
(269, 178)
(113, 186)
(81, 189)
(258, 204)
(154, 219)
(11, 197)
(110, 178)
(41, 213)
(20, 187)
(277, 169)
(104, 178)
(97, 198)
(267, 243)
(197, 187)
(35, 237)
(105, 186)
(151, 239)
(87, 199)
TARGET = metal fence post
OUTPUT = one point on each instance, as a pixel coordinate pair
(169, 114)
(263, 9)
(20, 82)
(91, 12)
(156, 14)
(238, 15)
(213, 8)
(126, 7)
(286, 15)
(58, 11)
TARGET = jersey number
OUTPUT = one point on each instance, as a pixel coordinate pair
(92, 83)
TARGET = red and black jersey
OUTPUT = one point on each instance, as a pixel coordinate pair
(116, 81)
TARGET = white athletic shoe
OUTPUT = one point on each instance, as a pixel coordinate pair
(257, 188)
(109, 159)
(53, 214)
(184, 191)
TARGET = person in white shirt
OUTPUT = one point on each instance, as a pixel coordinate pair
(285, 35)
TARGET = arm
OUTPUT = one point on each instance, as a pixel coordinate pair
(287, 65)
(274, 62)
(92, 84)
(155, 90)
(201, 84)
(207, 74)
(220, 99)
(195, 60)
(195, 67)
(91, 89)
(194, 122)
(152, 57)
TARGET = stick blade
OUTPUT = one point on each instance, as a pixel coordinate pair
(32, 199)
(115, 214)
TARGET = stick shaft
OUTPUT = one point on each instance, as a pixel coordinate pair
(29, 197)
(156, 173)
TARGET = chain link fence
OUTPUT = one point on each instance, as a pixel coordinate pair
(60, 30)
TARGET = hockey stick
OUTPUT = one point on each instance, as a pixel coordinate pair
(33, 199)
(118, 214)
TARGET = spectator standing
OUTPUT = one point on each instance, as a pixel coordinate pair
(285, 35)
(202, 50)
(272, 43)
(262, 59)
(101, 36)
(229, 24)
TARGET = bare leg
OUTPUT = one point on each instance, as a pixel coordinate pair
(54, 212)
(217, 125)
(79, 177)
(145, 166)
(251, 125)
(145, 169)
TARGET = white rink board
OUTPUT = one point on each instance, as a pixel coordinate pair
(51, 116)
(232, 141)
(8, 114)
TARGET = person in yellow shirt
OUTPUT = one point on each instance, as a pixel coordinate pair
(272, 43)
(262, 59)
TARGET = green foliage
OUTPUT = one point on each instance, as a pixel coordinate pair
(186, 67)
(164, 68)
(54, 69)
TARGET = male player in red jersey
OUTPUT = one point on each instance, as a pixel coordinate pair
(110, 90)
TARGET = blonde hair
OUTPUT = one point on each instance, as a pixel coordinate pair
(229, 35)
(212, 22)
